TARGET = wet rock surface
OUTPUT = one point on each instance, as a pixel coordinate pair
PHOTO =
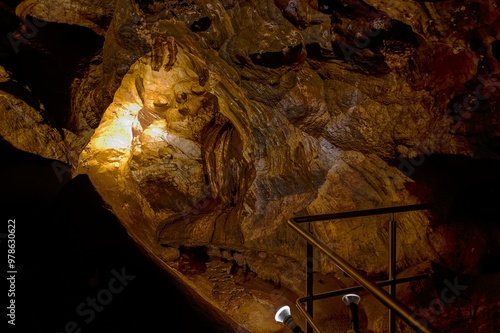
(208, 124)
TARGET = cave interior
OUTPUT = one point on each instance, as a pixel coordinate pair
(175, 139)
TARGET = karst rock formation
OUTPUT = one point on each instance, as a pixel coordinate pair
(206, 125)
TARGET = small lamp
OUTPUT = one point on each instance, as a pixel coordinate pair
(283, 315)
(352, 301)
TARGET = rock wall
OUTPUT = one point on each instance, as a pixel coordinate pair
(209, 124)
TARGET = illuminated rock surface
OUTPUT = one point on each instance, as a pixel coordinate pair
(24, 123)
(206, 125)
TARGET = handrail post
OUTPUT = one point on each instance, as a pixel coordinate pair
(392, 271)
(411, 318)
(309, 279)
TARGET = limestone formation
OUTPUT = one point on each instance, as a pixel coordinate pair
(206, 125)
(25, 125)
(94, 15)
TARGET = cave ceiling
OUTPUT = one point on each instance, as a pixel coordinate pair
(208, 124)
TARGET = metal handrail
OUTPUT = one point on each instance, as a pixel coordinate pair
(359, 213)
(383, 296)
(354, 289)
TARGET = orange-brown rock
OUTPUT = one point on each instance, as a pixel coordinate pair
(206, 125)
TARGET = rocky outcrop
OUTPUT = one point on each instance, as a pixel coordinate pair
(94, 15)
(206, 125)
(25, 125)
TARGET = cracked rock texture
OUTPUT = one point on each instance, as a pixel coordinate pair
(25, 124)
(206, 125)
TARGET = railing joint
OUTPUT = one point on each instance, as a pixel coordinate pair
(388, 299)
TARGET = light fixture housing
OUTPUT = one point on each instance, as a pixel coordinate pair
(282, 313)
(352, 301)
(351, 298)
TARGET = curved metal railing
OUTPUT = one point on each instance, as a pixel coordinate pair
(388, 299)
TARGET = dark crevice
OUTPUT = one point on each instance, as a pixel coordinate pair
(193, 259)
(277, 59)
(490, 263)
(203, 24)
(315, 51)
(48, 63)
(403, 32)
(494, 145)
(366, 44)
(495, 49)
(27, 177)
(150, 6)
(21, 93)
(466, 192)
(346, 8)
(473, 38)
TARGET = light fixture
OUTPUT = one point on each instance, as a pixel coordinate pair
(283, 315)
(352, 301)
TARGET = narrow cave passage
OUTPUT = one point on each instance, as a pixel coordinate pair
(49, 61)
